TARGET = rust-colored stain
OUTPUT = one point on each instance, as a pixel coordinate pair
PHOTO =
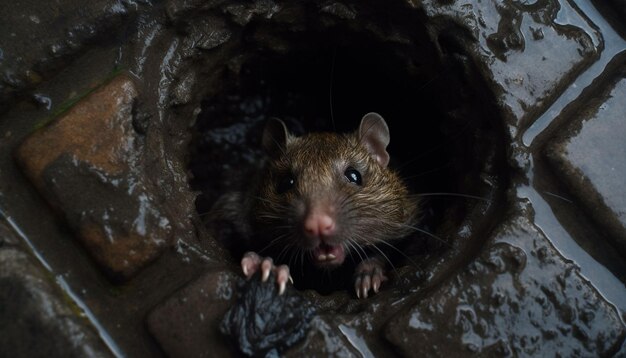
(96, 131)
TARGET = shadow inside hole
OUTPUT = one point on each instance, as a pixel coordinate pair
(329, 89)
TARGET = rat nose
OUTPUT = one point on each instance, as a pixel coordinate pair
(319, 225)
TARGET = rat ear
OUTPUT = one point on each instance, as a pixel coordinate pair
(275, 137)
(374, 135)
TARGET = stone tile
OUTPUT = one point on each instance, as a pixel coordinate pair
(187, 324)
(525, 50)
(88, 165)
(518, 298)
(35, 319)
(323, 340)
(589, 155)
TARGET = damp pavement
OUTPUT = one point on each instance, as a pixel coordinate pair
(102, 250)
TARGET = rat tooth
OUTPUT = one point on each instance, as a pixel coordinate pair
(331, 257)
(321, 257)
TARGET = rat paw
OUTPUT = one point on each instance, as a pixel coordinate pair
(369, 275)
(252, 262)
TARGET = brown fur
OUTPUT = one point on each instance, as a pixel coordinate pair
(368, 218)
(379, 210)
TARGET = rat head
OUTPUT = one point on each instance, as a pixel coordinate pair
(327, 194)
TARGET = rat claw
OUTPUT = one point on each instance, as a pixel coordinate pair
(361, 291)
(367, 283)
(369, 275)
(266, 268)
(377, 280)
(282, 276)
(365, 292)
(250, 263)
(357, 286)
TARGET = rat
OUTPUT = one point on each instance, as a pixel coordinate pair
(325, 200)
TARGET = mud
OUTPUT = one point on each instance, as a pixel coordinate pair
(521, 264)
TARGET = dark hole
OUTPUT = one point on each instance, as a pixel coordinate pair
(329, 85)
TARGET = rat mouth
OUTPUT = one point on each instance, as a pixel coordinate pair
(325, 255)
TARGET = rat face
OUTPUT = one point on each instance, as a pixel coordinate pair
(326, 196)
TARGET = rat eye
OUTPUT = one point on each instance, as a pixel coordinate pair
(353, 176)
(285, 183)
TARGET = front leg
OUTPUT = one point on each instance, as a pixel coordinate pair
(369, 274)
(252, 262)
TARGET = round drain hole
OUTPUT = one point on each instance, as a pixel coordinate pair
(444, 139)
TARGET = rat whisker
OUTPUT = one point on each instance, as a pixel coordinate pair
(558, 197)
(271, 202)
(283, 228)
(360, 247)
(285, 250)
(293, 257)
(270, 217)
(302, 260)
(428, 234)
(393, 267)
(421, 174)
(400, 252)
(437, 147)
(330, 89)
(274, 242)
(355, 248)
(346, 246)
(373, 246)
(452, 194)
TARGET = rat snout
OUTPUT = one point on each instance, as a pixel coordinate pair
(319, 225)
(320, 230)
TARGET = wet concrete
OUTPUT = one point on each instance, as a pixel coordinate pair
(536, 52)
(585, 156)
(36, 319)
(518, 298)
(518, 275)
(187, 324)
(38, 39)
